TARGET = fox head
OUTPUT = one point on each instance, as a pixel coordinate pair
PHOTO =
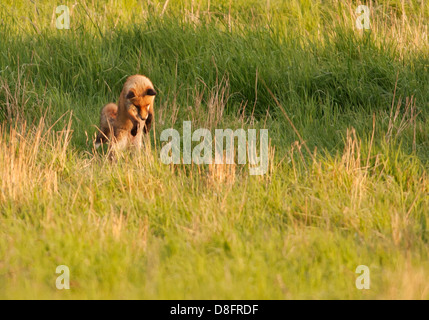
(139, 95)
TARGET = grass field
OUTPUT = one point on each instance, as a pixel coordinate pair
(348, 117)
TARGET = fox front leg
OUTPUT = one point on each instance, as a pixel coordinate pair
(135, 129)
(148, 122)
(133, 115)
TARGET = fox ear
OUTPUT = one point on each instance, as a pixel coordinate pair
(130, 95)
(151, 92)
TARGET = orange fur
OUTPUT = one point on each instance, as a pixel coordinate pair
(124, 124)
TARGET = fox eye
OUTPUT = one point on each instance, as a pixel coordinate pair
(130, 95)
(151, 92)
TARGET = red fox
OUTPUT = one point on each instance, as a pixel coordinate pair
(124, 124)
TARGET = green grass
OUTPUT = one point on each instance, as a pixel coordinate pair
(352, 191)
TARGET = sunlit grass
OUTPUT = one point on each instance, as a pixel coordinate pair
(347, 183)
